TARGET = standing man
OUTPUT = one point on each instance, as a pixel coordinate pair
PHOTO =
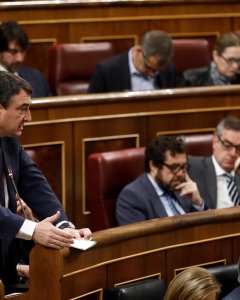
(13, 47)
(217, 176)
(144, 67)
(165, 189)
(16, 169)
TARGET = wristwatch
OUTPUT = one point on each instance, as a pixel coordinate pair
(66, 224)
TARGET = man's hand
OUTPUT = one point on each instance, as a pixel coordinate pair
(190, 188)
(28, 211)
(46, 234)
(23, 270)
(84, 233)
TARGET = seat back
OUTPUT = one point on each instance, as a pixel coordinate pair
(71, 65)
(227, 276)
(153, 289)
(109, 172)
(191, 54)
(199, 144)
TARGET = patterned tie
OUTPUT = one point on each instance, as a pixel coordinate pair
(170, 199)
(232, 189)
(2, 195)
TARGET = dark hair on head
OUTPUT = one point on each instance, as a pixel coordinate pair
(226, 40)
(11, 31)
(156, 150)
(228, 123)
(11, 85)
(157, 42)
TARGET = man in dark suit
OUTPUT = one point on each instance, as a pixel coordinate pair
(165, 188)
(145, 67)
(19, 173)
(212, 173)
(13, 47)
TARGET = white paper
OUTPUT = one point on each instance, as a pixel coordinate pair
(83, 244)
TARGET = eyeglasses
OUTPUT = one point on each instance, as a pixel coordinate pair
(229, 146)
(176, 168)
(160, 64)
(15, 51)
(231, 60)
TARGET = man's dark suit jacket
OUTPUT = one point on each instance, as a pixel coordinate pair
(234, 295)
(201, 77)
(34, 190)
(37, 81)
(202, 171)
(138, 201)
(113, 75)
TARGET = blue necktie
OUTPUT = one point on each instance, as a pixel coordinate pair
(232, 189)
(171, 202)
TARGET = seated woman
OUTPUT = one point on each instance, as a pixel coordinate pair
(193, 284)
(224, 68)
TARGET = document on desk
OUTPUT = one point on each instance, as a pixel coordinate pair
(83, 244)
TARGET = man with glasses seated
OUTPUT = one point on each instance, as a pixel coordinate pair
(13, 48)
(144, 67)
(218, 176)
(224, 68)
(164, 189)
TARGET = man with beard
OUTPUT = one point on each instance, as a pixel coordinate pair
(13, 47)
(165, 189)
(217, 176)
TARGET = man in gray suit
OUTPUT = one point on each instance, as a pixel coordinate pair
(218, 176)
(165, 188)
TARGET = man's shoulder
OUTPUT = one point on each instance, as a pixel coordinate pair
(115, 60)
(137, 183)
(199, 161)
(198, 77)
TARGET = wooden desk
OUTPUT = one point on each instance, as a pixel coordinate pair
(151, 249)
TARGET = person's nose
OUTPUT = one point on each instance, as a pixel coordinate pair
(19, 57)
(28, 116)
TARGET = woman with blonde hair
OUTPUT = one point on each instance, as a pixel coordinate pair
(193, 284)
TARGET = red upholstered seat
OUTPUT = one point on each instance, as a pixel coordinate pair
(71, 66)
(109, 172)
(191, 54)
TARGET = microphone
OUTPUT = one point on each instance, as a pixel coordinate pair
(10, 173)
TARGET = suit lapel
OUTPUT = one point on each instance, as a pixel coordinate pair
(211, 181)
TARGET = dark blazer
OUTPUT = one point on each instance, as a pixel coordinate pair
(201, 77)
(138, 201)
(113, 75)
(234, 295)
(202, 171)
(33, 189)
(37, 81)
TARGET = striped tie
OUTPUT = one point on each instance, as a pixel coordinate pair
(232, 189)
(172, 205)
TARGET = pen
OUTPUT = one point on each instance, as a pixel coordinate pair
(10, 173)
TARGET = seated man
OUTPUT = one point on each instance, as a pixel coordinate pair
(217, 180)
(144, 67)
(13, 46)
(165, 188)
(224, 69)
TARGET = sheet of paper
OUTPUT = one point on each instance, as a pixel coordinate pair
(83, 244)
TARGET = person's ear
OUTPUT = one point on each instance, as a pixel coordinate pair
(153, 168)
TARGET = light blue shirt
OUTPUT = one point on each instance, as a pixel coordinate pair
(139, 82)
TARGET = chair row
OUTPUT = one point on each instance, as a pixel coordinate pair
(71, 65)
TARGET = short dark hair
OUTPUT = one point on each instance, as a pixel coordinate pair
(226, 40)
(11, 85)
(11, 31)
(157, 42)
(156, 150)
(228, 123)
